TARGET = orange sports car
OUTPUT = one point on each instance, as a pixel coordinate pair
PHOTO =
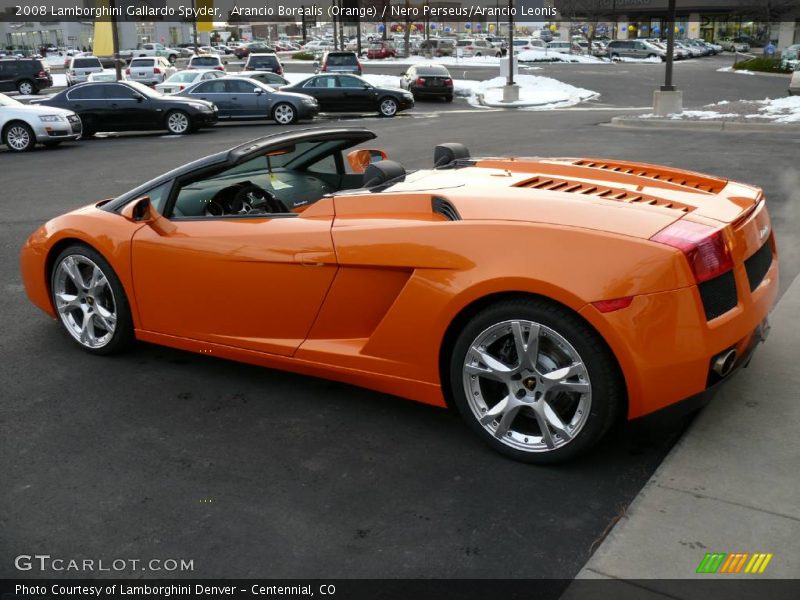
(544, 298)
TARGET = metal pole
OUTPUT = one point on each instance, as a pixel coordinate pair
(194, 27)
(303, 22)
(510, 42)
(668, 87)
(115, 40)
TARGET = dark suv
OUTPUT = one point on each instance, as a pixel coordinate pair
(264, 62)
(26, 75)
(339, 62)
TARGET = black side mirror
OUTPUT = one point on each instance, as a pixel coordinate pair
(139, 98)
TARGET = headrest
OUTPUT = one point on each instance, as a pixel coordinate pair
(444, 154)
(380, 172)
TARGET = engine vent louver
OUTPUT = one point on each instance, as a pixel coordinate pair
(554, 184)
(694, 182)
(440, 206)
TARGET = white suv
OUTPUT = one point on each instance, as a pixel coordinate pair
(149, 71)
(80, 67)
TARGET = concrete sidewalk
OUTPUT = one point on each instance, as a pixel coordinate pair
(731, 484)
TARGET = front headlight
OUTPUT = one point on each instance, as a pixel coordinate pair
(49, 118)
(198, 106)
(310, 101)
(408, 96)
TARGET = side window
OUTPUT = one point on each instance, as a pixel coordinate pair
(210, 87)
(121, 92)
(238, 87)
(87, 92)
(158, 195)
(346, 81)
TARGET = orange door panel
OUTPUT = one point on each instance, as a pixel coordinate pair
(252, 283)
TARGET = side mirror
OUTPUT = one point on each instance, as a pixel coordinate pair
(359, 160)
(139, 98)
(258, 91)
(140, 211)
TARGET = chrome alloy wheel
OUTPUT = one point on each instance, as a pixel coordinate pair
(18, 137)
(527, 386)
(25, 88)
(178, 123)
(84, 301)
(388, 107)
(284, 114)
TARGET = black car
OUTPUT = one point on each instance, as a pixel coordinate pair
(254, 47)
(428, 80)
(131, 106)
(264, 62)
(351, 93)
(241, 98)
(26, 75)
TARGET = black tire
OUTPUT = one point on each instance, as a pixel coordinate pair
(448, 98)
(172, 58)
(26, 87)
(614, 56)
(19, 137)
(178, 122)
(606, 382)
(123, 336)
(383, 107)
(652, 55)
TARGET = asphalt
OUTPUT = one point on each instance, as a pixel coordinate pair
(251, 472)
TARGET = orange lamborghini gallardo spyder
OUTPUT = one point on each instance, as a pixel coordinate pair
(544, 298)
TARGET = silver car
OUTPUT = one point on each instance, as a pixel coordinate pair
(80, 67)
(634, 49)
(25, 125)
(150, 70)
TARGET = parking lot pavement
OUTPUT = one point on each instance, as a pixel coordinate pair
(252, 472)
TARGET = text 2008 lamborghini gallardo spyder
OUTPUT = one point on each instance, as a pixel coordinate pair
(542, 297)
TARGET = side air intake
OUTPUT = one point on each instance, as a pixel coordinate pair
(445, 154)
(440, 206)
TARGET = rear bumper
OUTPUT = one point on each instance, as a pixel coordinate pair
(675, 412)
(664, 343)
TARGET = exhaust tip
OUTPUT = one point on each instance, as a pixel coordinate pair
(723, 364)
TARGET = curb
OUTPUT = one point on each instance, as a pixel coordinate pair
(708, 125)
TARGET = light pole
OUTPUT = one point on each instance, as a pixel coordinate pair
(115, 40)
(668, 100)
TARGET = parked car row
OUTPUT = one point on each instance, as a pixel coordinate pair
(196, 99)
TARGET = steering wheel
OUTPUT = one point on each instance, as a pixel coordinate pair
(254, 199)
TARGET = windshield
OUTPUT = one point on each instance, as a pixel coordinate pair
(143, 89)
(6, 101)
(205, 61)
(184, 76)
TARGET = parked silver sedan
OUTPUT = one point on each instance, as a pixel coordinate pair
(24, 125)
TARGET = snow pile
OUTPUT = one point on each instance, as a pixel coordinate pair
(651, 60)
(732, 70)
(781, 110)
(534, 92)
(544, 55)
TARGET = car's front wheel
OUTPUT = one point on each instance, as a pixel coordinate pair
(90, 301)
(19, 137)
(284, 114)
(388, 107)
(534, 380)
(178, 122)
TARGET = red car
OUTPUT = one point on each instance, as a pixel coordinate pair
(381, 50)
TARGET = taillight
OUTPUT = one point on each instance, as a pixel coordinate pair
(127, 71)
(42, 74)
(156, 71)
(220, 68)
(419, 81)
(448, 83)
(704, 247)
(606, 306)
(279, 71)
(324, 68)
(183, 87)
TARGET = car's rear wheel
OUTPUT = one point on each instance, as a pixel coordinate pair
(26, 87)
(448, 98)
(388, 107)
(614, 56)
(284, 114)
(19, 137)
(178, 122)
(534, 380)
(90, 301)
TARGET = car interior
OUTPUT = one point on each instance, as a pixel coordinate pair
(283, 180)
